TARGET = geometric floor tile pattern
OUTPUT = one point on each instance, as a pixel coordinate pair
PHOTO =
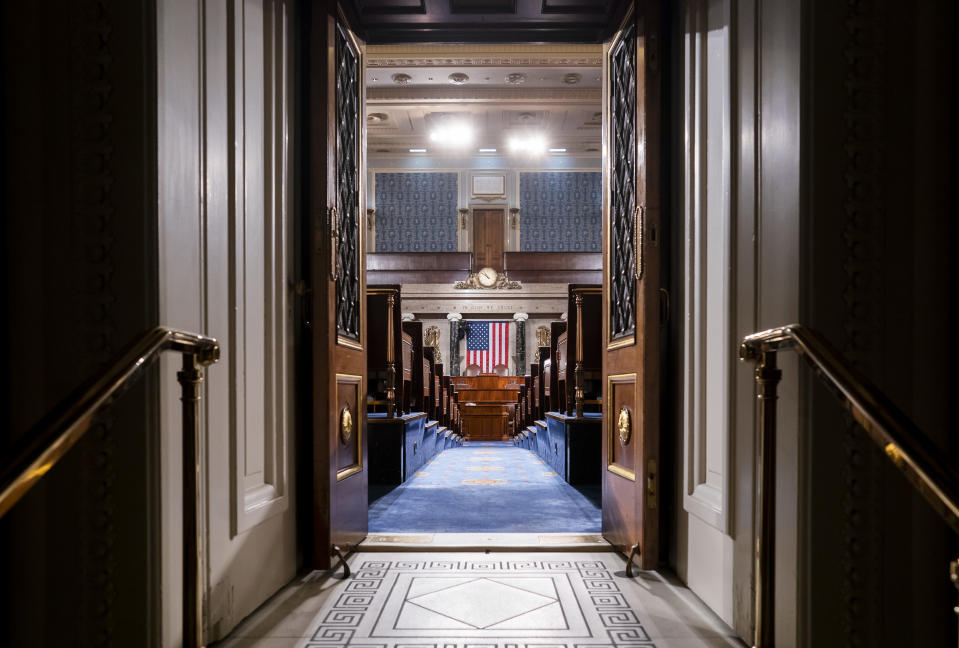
(477, 600)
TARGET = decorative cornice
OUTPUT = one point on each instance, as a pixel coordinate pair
(487, 61)
(479, 94)
(483, 55)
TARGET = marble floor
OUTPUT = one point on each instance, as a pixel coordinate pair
(484, 600)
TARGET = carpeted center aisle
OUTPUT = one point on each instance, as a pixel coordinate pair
(491, 487)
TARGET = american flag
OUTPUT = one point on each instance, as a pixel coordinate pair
(487, 344)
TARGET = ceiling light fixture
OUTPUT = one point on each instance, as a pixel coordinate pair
(530, 144)
(417, 150)
(452, 134)
(487, 150)
(557, 150)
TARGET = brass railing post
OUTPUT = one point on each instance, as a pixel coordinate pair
(190, 378)
(954, 577)
(767, 379)
(903, 442)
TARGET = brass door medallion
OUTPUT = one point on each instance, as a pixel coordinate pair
(625, 425)
(346, 424)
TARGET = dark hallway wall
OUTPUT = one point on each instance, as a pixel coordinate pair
(79, 283)
(879, 171)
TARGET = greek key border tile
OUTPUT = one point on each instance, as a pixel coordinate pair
(613, 622)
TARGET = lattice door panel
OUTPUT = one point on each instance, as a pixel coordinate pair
(347, 269)
(623, 191)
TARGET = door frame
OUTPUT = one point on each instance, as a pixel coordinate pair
(311, 536)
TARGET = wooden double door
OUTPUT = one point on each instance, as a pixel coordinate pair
(631, 264)
(334, 263)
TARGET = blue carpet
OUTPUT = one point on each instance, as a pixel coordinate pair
(492, 487)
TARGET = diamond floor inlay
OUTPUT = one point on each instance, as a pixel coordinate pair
(484, 603)
(477, 600)
(508, 602)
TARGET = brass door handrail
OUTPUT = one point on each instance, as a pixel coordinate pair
(46, 443)
(902, 441)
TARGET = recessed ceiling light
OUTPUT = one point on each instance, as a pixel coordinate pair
(417, 150)
(516, 78)
(487, 150)
(572, 78)
(559, 150)
(530, 144)
(401, 78)
(452, 134)
(458, 78)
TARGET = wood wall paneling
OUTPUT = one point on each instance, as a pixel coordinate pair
(555, 267)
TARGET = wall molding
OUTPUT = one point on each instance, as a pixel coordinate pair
(480, 94)
(709, 296)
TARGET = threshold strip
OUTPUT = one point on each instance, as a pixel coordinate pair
(499, 542)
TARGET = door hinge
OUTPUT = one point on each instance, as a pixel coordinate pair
(304, 292)
(651, 483)
(663, 307)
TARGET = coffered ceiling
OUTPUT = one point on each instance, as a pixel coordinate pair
(498, 92)
(484, 21)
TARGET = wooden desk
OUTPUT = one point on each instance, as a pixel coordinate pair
(487, 395)
(484, 405)
(486, 382)
(486, 422)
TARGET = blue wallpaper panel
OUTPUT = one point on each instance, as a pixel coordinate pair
(416, 212)
(561, 211)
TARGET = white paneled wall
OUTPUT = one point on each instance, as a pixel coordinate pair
(225, 106)
(708, 304)
(737, 260)
(709, 348)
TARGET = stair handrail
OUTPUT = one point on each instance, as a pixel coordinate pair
(49, 440)
(903, 442)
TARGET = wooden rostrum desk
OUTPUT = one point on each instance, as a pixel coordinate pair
(485, 402)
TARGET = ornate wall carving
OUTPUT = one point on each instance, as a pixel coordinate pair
(431, 338)
(861, 500)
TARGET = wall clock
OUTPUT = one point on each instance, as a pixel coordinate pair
(487, 277)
